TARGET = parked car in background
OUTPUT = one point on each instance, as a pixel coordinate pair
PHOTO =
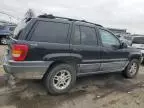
(58, 50)
(138, 42)
(5, 30)
(126, 39)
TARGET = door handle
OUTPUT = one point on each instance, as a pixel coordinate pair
(76, 49)
(34, 44)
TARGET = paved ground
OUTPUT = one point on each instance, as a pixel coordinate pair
(2, 49)
(96, 91)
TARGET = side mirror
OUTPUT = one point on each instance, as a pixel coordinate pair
(124, 45)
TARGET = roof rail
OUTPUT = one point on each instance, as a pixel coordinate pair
(50, 16)
(47, 16)
(53, 17)
(91, 23)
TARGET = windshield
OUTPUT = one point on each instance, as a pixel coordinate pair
(138, 40)
(19, 29)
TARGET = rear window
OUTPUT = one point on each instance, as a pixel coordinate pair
(19, 29)
(52, 32)
(138, 40)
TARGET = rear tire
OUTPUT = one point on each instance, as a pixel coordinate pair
(132, 69)
(60, 79)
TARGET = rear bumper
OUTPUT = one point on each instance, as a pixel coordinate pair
(26, 69)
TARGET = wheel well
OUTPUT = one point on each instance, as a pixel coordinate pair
(60, 62)
(135, 57)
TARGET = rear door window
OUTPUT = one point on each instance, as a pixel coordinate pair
(76, 37)
(88, 35)
(52, 32)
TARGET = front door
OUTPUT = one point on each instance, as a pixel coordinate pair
(85, 44)
(113, 57)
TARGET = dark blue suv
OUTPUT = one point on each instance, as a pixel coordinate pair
(58, 50)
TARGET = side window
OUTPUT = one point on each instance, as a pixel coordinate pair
(52, 32)
(88, 35)
(76, 36)
(108, 38)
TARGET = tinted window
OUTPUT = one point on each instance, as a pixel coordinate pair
(76, 37)
(51, 32)
(19, 28)
(138, 40)
(88, 35)
(108, 38)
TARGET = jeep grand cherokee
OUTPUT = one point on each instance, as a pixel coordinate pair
(59, 49)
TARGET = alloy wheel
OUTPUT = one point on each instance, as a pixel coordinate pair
(62, 79)
(133, 69)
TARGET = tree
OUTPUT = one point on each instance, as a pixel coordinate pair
(29, 14)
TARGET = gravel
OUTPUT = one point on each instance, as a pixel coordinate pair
(96, 91)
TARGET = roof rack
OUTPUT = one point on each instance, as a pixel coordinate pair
(91, 23)
(50, 16)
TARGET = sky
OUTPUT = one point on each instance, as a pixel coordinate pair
(124, 14)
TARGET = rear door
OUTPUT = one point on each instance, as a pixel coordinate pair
(84, 43)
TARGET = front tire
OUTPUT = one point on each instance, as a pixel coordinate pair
(132, 69)
(60, 79)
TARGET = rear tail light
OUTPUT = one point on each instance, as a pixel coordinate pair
(19, 52)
